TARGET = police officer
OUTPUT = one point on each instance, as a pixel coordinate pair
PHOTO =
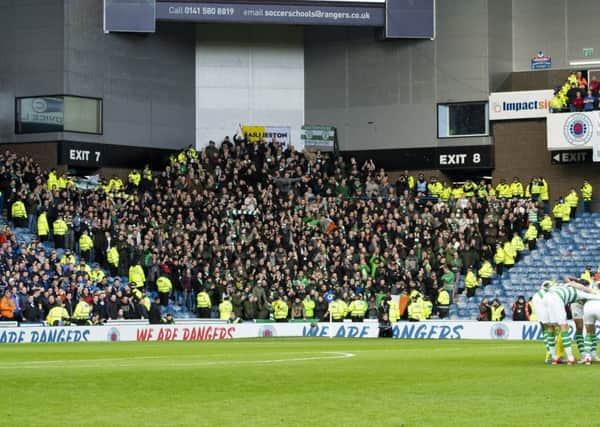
(58, 315)
(309, 307)
(81, 315)
(164, 286)
(335, 310)
(203, 304)
(415, 308)
(358, 308)
(280, 309)
(225, 308)
(443, 303)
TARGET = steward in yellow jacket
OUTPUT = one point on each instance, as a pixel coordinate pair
(85, 244)
(280, 310)
(509, 254)
(43, 229)
(531, 236)
(486, 271)
(137, 276)
(471, 282)
(225, 309)
(558, 212)
(546, 226)
(517, 244)
(516, 188)
(572, 199)
(499, 259)
(18, 214)
(586, 195)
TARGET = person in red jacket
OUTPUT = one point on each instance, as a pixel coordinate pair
(578, 102)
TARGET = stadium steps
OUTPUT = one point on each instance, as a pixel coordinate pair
(569, 251)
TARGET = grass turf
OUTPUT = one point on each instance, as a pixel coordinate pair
(254, 383)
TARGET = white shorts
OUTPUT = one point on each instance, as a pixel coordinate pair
(591, 312)
(555, 308)
(577, 310)
(540, 308)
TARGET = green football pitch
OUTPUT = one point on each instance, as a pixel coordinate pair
(293, 382)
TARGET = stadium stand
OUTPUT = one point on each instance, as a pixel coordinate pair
(576, 94)
(568, 253)
(249, 231)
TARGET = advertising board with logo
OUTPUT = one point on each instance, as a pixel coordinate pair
(279, 134)
(532, 104)
(203, 331)
(42, 114)
(573, 131)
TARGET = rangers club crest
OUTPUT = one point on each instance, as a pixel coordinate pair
(578, 129)
(499, 331)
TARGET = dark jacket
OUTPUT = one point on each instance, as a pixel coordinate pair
(154, 314)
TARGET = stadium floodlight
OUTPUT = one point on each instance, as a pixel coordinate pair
(584, 63)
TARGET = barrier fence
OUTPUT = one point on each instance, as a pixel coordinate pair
(202, 331)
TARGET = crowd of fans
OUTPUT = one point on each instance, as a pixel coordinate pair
(576, 94)
(246, 231)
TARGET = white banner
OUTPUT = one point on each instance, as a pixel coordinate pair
(520, 105)
(201, 331)
(573, 131)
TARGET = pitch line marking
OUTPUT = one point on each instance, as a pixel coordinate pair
(86, 363)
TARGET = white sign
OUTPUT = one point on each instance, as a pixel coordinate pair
(520, 105)
(203, 331)
(573, 131)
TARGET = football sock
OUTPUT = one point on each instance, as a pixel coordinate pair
(579, 341)
(567, 344)
(552, 344)
(546, 336)
(588, 345)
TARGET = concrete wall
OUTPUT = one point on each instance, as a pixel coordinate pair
(146, 80)
(521, 151)
(248, 74)
(31, 55)
(383, 95)
(559, 28)
(58, 47)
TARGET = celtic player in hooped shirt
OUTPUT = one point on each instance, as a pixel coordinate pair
(554, 302)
